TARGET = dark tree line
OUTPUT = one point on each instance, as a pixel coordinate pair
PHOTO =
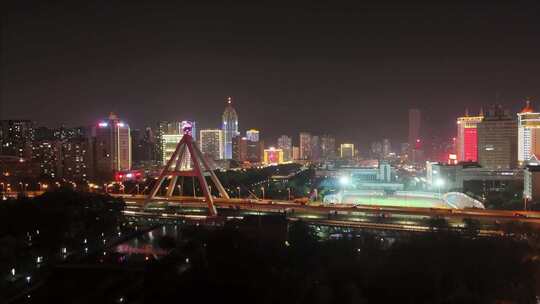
(437, 267)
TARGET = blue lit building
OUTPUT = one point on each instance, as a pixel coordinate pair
(229, 127)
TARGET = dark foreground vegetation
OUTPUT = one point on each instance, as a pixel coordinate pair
(37, 233)
(440, 267)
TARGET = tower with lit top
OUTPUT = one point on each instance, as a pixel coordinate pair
(229, 127)
(467, 137)
(528, 133)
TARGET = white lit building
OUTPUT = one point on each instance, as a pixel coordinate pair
(528, 134)
(212, 143)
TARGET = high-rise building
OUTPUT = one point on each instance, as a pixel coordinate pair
(346, 151)
(305, 146)
(112, 147)
(212, 143)
(328, 147)
(77, 159)
(144, 148)
(497, 140)
(528, 134)
(240, 148)
(229, 127)
(252, 135)
(376, 149)
(467, 137)
(16, 138)
(386, 147)
(273, 156)
(255, 151)
(295, 153)
(169, 135)
(415, 143)
(48, 155)
(284, 143)
(315, 148)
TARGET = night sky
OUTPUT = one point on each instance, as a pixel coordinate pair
(348, 70)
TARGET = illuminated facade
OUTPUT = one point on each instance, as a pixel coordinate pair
(467, 138)
(273, 156)
(346, 151)
(328, 147)
(252, 135)
(212, 143)
(284, 143)
(229, 127)
(497, 140)
(528, 134)
(169, 135)
(112, 147)
(305, 146)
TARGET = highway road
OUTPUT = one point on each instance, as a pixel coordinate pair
(361, 216)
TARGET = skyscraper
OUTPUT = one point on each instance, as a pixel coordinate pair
(315, 148)
(328, 147)
(240, 148)
(467, 137)
(212, 143)
(229, 127)
(386, 147)
(284, 143)
(497, 140)
(169, 135)
(252, 135)
(528, 134)
(305, 146)
(112, 147)
(415, 143)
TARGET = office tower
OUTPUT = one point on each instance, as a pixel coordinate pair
(295, 153)
(528, 134)
(255, 151)
(284, 143)
(315, 148)
(229, 127)
(346, 151)
(112, 147)
(212, 143)
(497, 140)
(467, 137)
(240, 149)
(305, 146)
(415, 143)
(328, 147)
(16, 138)
(169, 135)
(386, 147)
(252, 135)
(273, 156)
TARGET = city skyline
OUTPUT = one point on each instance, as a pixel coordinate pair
(186, 66)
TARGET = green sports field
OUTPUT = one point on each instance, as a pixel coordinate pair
(400, 201)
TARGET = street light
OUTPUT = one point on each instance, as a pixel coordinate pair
(289, 193)
(238, 188)
(262, 189)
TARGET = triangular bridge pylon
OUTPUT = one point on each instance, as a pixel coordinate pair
(199, 168)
